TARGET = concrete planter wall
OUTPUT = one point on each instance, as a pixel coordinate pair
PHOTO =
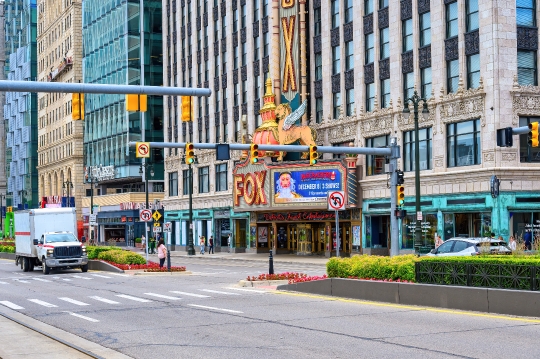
(488, 300)
(5, 255)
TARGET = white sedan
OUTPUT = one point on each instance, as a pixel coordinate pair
(470, 247)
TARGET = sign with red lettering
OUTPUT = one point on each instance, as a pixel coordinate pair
(301, 216)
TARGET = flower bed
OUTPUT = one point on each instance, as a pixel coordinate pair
(307, 279)
(277, 276)
(7, 243)
(149, 267)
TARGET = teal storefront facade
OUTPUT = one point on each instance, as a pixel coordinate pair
(216, 222)
(455, 215)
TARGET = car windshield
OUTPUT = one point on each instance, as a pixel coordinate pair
(60, 237)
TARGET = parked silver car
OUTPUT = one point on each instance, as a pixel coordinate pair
(470, 247)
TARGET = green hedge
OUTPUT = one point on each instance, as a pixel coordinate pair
(7, 249)
(122, 257)
(94, 251)
(373, 267)
(138, 240)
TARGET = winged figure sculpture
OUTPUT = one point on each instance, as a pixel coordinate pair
(295, 116)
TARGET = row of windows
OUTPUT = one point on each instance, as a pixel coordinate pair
(56, 154)
(204, 180)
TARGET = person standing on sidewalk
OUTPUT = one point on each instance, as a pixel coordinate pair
(229, 242)
(201, 243)
(211, 245)
(162, 252)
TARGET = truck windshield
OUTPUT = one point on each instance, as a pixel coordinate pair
(61, 237)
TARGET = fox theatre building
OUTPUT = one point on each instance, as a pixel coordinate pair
(289, 208)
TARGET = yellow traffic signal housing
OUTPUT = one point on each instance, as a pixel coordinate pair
(135, 102)
(77, 106)
(533, 134)
(187, 109)
(189, 153)
(254, 151)
(400, 195)
(313, 155)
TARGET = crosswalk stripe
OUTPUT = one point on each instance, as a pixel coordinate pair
(73, 301)
(248, 290)
(218, 292)
(214, 308)
(190, 294)
(45, 304)
(66, 279)
(104, 300)
(21, 281)
(83, 317)
(4, 283)
(81, 277)
(133, 298)
(163, 296)
(10, 305)
(101, 276)
(41, 280)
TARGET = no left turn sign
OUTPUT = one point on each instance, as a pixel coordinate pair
(145, 215)
(336, 201)
(142, 149)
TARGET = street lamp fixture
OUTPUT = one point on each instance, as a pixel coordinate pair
(67, 185)
(416, 100)
(148, 169)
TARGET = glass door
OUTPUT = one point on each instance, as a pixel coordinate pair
(292, 242)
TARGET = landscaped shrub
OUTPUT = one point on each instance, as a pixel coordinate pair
(94, 251)
(373, 267)
(138, 240)
(121, 257)
(7, 249)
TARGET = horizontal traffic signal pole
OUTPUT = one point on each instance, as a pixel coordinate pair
(285, 148)
(63, 87)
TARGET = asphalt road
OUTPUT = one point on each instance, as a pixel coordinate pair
(204, 316)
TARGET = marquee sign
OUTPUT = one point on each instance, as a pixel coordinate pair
(302, 216)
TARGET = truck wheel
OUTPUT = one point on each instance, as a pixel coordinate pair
(84, 268)
(25, 264)
(31, 266)
(46, 270)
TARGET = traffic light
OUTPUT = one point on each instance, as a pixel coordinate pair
(136, 102)
(533, 134)
(254, 151)
(187, 109)
(77, 106)
(189, 153)
(400, 195)
(313, 155)
(400, 179)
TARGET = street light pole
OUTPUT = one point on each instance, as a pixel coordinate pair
(191, 248)
(415, 100)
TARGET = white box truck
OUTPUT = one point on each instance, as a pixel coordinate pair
(46, 237)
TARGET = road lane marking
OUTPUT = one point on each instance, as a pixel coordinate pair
(4, 283)
(72, 301)
(10, 305)
(214, 308)
(81, 277)
(83, 317)
(190, 294)
(100, 276)
(41, 280)
(45, 304)
(104, 300)
(133, 298)
(249, 290)
(163, 296)
(66, 279)
(218, 292)
(21, 281)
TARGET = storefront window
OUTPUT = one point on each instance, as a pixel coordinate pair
(377, 231)
(526, 222)
(375, 164)
(429, 227)
(467, 225)
(368, 231)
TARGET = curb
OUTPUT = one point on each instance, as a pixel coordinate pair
(6, 255)
(143, 273)
(262, 283)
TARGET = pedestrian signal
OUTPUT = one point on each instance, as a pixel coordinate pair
(400, 178)
(313, 155)
(189, 153)
(187, 108)
(77, 106)
(533, 134)
(254, 151)
(400, 195)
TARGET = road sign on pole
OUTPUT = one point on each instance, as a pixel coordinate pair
(142, 150)
(145, 215)
(92, 220)
(336, 201)
(167, 227)
(157, 229)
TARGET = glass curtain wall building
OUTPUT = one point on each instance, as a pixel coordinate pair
(20, 109)
(111, 50)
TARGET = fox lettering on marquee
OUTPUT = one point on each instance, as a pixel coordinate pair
(250, 186)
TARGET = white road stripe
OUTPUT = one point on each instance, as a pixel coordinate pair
(21, 281)
(249, 290)
(67, 280)
(41, 280)
(214, 308)
(81, 277)
(163, 296)
(10, 305)
(45, 304)
(100, 276)
(73, 301)
(4, 283)
(104, 300)
(83, 317)
(133, 298)
(218, 292)
(190, 294)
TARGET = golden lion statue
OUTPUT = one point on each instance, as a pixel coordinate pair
(288, 132)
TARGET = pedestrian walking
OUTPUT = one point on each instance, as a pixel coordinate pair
(143, 243)
(512, 244)
(527, 237)
(201, 243)
(229, 242)
(211, 245)
(162, 252)
(438, 240)
(152, 245)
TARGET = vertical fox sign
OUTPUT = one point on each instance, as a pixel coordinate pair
(289, 25)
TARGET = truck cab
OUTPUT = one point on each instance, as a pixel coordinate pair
(60, 249)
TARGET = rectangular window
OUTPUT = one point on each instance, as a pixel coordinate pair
(385, 93)
(221, 177)
(368, 7)
(173, 184)
(425, 29)
(407, 33)
(463, 143)
(408, 85)
(385, 43)
(451, 19)
(425, 79)
(257, 46)
(337, 104)
(527, 68)
(375, 164)
(349, 55)
(318, 67)
(473, 71)
(185, 182)
(526, 13)
(336, 60)
(526, 152)
(425, 149)
(318, 110)
(317, 21)
(348, 11)
(349, 95)
(256, 10)
(370, 97)
(335, 14)
(203, 179)
(370, 48)
(452, 75)
(383, 4)
(471, 11)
